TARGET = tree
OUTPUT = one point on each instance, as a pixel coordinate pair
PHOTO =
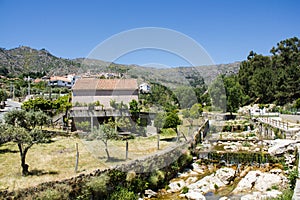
(159, 121)
(234, 94)
(104, 133)
(276, 78)
(186, 96)
(134, 110)
(218, 94)
(3, 98)
(172, 120)
(25, 129)
(37, 104)
(297, 104)
(196, 111)
(166, 120)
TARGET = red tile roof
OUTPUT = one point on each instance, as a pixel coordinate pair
(105, 84)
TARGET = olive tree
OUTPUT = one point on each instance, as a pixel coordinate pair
(25, 129)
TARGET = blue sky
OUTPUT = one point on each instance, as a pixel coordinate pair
(227, 30)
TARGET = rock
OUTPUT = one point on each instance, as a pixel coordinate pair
(272, 194)
(191, 180)
(245, 172)
(176, 186)
(248, 182)
(225, 175)
(259, 181)
(214, 181)
(245, 148)
(197, 168)
(253, 196)
(282, 146)
(150, 193)
(266, 181)
(206, 184)
(276, 171)
(257, 149)
(261, 196)
(224, 198)
(195, 196)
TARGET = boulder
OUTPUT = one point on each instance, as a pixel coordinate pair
(197, 168)
(176, 186)
(266, 181)
(248, 182)
(262, 196)
(195, 196)
(245, 172)
(253, 196)
(225, 175)
(191, 180)
(224, 198)
(214, 181)
(281, 146)
(272, 194)
(150, 193)
(259, 181)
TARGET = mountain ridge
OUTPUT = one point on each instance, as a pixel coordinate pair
(24, 59)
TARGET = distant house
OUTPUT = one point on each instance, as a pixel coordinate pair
(90, 90)
(63, 81)
(144, 88)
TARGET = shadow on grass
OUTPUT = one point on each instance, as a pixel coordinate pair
(37, 172)
(2, 151)
(112, 159)
(169, 139)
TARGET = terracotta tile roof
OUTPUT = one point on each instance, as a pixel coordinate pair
(105, 84)
(56, 78)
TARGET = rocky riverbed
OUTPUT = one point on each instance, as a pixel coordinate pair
(245, 181)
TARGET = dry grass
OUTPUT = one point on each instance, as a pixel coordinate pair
(47, 162)
(56, 160)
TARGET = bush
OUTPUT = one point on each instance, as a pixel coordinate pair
(84, 126)
(50, 194)
(130, 176)
(59, 192)
(97, 185)
(292, 177)
(156, 177)
(185, 190)
(124, 194)
(168, 132)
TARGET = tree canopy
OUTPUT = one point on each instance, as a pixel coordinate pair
(25, 129)
(276, 78)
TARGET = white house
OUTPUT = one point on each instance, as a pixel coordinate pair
(144, 88)
(63, 81)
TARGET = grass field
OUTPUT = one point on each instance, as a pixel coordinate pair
(56, 160)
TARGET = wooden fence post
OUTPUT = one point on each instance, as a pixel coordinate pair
(77, 158)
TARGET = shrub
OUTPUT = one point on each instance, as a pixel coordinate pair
(185, 190)
(168, 132)
(50, 194)
(156, 177)
(130, 176)
(84, 125)
(97, 185)
(292, 177)
(59, 192)
(124, 194)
